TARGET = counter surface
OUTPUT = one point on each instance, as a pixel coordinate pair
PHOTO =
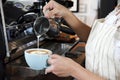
(19, 70)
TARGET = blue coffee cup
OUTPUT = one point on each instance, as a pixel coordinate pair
(36, 58)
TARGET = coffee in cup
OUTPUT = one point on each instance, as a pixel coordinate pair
(36, 58)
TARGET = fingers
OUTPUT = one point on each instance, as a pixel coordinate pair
(50, 14)
(49, 69)
(52, 59)
(53, 10)
(56, 13)
(49, 6)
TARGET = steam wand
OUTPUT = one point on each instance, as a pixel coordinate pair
(4, 29)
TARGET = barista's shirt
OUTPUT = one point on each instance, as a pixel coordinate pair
(102, 56)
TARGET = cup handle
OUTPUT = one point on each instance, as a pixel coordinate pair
(47, 65)
(42, 72)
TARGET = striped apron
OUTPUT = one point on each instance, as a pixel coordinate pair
(100, 51)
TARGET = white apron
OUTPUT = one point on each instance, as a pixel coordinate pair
(101, 58)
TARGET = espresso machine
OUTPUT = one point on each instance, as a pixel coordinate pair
(17, 34)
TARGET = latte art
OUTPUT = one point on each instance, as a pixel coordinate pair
(38, 52)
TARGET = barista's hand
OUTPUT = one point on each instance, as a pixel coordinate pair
(55, 10)
(61, 66)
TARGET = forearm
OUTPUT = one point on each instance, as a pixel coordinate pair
(81, 29)
(81, 73)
